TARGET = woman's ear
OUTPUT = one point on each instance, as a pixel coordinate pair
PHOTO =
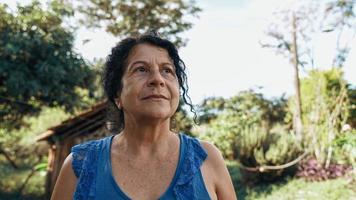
(118, 103)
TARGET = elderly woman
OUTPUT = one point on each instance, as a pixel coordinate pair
(146, 160)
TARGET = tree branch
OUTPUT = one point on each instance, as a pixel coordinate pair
(8, 158)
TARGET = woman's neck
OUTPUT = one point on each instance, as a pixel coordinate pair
(145, 138)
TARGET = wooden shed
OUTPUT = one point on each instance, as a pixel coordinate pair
(61, 138)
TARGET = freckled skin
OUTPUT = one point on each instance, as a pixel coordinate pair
(149, 71)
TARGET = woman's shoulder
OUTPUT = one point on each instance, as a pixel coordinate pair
(213, 152)
(207, 152)
(86, 152)
(203, 147)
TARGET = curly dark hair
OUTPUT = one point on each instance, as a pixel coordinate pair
(115, 68)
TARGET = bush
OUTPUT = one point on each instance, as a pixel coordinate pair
(326, 109)
(241, 128)
(345, 148)
(257, 149)
(343, 160)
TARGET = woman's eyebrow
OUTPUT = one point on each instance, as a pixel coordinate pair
(136, 62)
(167, 63)
(146, 63)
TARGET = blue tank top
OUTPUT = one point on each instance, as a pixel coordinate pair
(92, 166)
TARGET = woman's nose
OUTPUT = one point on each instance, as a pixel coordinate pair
(156, 79)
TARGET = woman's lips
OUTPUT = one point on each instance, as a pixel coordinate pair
(154, 97)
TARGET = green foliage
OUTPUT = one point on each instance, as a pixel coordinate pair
(12, 179)
(23, 149)
(127, 18)
(326, 108)
(247, 105)
(38, 64)
(352, 107)
(226, 118)
(19, 144)
(241, 127)
(182, 122)
(345, 148)
(210, 108)
(258, 148)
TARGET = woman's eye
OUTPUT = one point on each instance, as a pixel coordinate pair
(140, 69)
(167, 71)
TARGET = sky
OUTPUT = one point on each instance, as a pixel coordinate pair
(223, 55)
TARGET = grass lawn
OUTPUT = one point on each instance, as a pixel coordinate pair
(298, 189)
(294, 188)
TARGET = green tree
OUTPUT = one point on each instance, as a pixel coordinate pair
(222, 120)
(272, 111)
(291, 36)
(327, 109)
(248, 128)
(210, 109)
(38, 66)
(127, 18)
(181, 121)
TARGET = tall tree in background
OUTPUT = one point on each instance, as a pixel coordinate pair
(286, 43)
(297, 119)
(292, 33)
(127, 18)
(38, 66)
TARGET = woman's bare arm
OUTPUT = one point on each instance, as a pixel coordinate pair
(66, 182)
(219, 174)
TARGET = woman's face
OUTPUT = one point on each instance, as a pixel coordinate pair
(150, 86)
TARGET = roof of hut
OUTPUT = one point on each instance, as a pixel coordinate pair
(86, 122)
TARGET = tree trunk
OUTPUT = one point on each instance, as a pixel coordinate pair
(297, 118)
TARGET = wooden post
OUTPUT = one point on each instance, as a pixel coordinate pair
(49, 177)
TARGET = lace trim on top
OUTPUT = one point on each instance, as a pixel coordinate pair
(84, 166)
(85, 159)
(194, 158)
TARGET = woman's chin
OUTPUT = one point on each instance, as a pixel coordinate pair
(156, 115)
